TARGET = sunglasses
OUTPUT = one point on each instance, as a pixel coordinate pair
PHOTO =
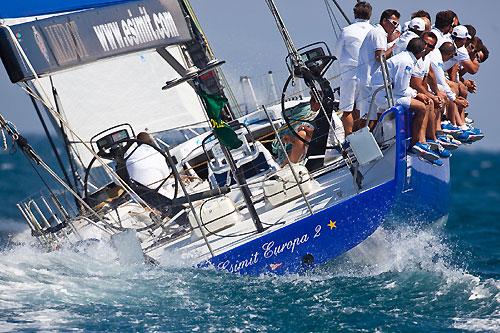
(394, 22)
(430, 46)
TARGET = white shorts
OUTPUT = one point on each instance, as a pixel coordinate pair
(349, 89)
(363, 99)
(404, 101)
(381, 101)
(339, 131)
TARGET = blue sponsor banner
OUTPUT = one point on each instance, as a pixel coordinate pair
(13, 9)
(69, 40)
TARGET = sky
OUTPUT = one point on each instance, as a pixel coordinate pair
(244, 34)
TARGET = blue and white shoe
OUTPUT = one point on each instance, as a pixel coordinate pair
(475, 130)
(463, 137)
(442, 152)
(451, 129)
(469, 121)
(433, 144)
(446, 143)
(423, 150)
(435, 162)
(453, 140)
(474, 135)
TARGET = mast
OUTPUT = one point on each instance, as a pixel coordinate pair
(342, 11)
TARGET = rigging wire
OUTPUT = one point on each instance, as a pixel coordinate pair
(51, 141)
(331, 16)
(68, 149)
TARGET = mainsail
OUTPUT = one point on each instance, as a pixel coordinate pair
(107, 66)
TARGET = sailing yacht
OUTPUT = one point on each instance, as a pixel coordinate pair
(105, 71)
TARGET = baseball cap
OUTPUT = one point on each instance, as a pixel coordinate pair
(417, 24)
(460, 32)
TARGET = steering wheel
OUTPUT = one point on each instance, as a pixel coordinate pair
(310, 74)
(117, 153)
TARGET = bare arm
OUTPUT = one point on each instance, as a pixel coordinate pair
(452, 73)
(387, 53)
(470, 66)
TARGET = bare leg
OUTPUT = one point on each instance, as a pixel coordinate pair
(360, 123)
(463, 92)
(441, 110)
(419, 122)
(298, 147)
(348, 122)
(434, 115)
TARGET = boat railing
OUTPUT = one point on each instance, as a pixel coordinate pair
(387, 86)
(292, 167)
(49, 216)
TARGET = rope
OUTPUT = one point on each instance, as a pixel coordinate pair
(292, 51)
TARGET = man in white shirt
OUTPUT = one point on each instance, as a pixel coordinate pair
(415, 29)
(147, 169)
(374, 44)
(456, 116)
(400, 69)
(445, 22)
(459, 37)
(446, 52)
(421, 14)
(423, 81)
(347, 51)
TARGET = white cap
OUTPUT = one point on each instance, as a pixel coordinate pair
(417, 24)
(460, 32)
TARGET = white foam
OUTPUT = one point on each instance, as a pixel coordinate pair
(491, 324)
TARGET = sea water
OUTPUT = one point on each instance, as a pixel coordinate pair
(405, 279)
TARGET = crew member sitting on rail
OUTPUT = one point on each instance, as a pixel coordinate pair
(423, 81)
(400, 68)
(455, 111)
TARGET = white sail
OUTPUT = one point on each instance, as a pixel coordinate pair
(125, 89)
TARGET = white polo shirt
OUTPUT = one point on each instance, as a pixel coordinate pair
(441, 38)
(402, 42)
(375, 40)
(437, 66)
(400, 68)
(147, 166)
(421, 68)
(460, 55)
(348, 44)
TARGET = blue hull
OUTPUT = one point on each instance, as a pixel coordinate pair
(419, 192)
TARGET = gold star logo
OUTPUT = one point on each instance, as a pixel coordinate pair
(332, 224)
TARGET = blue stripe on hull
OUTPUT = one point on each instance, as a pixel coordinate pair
(323, 236)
